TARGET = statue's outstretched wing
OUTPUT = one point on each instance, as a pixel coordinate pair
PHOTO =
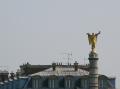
(89, 39)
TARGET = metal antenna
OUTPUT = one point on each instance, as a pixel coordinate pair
(85, 60)
(69, 57)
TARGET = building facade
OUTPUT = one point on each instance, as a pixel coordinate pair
(58, 77)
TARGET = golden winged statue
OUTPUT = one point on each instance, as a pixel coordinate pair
(92, 38)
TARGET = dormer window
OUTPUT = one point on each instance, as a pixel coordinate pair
(52, 81)
(84, 83)
(36, 82)
(101, 83)
(68, 81)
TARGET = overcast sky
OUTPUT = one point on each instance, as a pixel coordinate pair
(41, 31)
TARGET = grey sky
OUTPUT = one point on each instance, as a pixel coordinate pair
(39, 31)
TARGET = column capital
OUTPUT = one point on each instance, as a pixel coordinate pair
(93, 55)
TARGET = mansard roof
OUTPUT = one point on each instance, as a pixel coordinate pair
(62, 71)
(3, 71)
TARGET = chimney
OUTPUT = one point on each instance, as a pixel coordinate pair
(54, 66)
(76, 66)
(3, 75)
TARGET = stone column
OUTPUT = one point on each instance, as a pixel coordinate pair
(93, 70)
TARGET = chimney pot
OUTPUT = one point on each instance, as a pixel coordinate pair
(54, 66)
(76, 66)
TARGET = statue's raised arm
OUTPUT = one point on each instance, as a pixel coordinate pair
(88, 33)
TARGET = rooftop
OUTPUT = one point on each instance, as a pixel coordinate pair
(62, 71)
